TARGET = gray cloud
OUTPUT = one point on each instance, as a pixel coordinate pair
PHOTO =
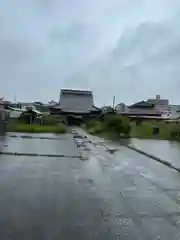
(127, 48)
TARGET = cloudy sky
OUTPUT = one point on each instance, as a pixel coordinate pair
(126, 48)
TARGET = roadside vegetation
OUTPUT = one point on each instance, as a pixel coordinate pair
(36, 128)
(167, 130)
(111, 126)
(116, 126)
(50, 124)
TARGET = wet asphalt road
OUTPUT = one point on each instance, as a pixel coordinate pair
(119, 196)
(167, 150)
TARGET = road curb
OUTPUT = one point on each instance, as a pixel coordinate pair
(33, 137)
(39, 155)
(166, 163)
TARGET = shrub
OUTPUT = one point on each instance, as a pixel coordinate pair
(112, 124)
(117, 124)
(94, 127)
(91, 123)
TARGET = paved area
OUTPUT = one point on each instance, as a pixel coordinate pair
(109, 196)
(63, 145)
(167, 150)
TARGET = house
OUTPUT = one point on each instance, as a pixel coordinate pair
(31, 115)
(121, 108)
(4, 104)
(49, 105)
(172, 113)
(52, 103)
(158, 101)
(25, 105)
(76, 104)
(14, 112)
(107, 109)
(143, 110)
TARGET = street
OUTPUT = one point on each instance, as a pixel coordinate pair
(123, 195)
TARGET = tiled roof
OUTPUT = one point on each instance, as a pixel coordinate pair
(76, 101)
(144, 111)
(141, 104)
(26, 104)
(3, 103)
(75, 92)
(175, 107)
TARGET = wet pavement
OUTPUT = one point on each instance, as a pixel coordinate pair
(123, 195)
(166, 150)
(62, 145)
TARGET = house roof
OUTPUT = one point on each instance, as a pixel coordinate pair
(144, 111)
(175, 107)
(76, 92)
(38, 103)
(142, 104)
(158, 101)
(76, 101)
(51, 104)
(26, 104)
(3, 102)
(73, 110)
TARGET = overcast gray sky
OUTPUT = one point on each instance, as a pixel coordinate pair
(126, 48)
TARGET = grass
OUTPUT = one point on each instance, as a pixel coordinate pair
(143, 130)
(37, 128)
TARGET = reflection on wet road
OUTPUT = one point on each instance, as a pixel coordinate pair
(110, 196)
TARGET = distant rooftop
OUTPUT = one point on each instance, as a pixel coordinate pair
(142, 104)
(75, 92)
(158, 101)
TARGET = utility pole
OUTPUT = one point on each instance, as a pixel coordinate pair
(113, 102)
